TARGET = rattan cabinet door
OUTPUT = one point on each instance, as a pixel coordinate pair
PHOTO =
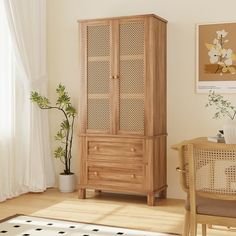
(123, 105)
(98, 77)
(131, 77)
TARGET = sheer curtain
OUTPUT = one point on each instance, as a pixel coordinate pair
(25, 156)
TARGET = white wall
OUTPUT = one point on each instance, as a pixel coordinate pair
(187, 115)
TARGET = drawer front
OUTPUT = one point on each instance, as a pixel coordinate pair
(129, 150)
(116, 175)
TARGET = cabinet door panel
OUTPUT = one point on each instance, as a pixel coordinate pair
(131, 69)
(98, 114)
(132, 38)
(98, 77)
(98, 40)
(132, 115)
(132, 73)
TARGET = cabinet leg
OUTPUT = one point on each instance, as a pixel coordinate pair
(82, 193)
(163, 193)
(151, 199)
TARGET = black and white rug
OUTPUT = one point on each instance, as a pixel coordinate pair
(37, 226)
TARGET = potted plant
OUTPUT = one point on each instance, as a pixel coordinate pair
(65, 134)
(224, 108)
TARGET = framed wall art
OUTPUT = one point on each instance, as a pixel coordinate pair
(216, 57)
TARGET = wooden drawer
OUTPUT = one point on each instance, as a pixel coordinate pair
(113, 150)
(116, 175)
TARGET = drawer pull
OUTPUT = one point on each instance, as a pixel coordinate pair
(133, 176)
(95, 173)
(178, 169)
(132, 149)
(95, 147)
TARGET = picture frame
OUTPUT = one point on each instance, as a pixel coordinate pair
(216, 57)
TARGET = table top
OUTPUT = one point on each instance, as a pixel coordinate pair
(203, 141)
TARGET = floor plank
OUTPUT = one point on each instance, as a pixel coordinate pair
(108, 209)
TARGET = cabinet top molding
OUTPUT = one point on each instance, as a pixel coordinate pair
(120, 17)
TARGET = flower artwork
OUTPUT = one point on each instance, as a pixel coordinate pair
(216, 57)
(220, 57)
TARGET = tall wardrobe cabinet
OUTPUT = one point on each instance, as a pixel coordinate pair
(122, 127)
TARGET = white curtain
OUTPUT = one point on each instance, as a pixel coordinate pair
(25, 156)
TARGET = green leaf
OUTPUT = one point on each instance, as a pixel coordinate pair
(60, 135)
(63, 100)
(65, 125)
(59, 152)
(60, 89)
(70, 111)
(42, 102)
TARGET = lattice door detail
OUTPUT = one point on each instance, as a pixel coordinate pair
(132, 38)
(132, 115)
(98, 114)
(98, 40)
(131, 102)
(98, 72)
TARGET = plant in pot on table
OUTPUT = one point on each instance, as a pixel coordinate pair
(65, 134)
(224, 108)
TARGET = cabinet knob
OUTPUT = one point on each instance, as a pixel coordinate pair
(132, 149)
(111, 77)
(133, 176)
(96, 173)
(95, 147)
(116, 77)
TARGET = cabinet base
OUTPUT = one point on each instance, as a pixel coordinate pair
(150, 196)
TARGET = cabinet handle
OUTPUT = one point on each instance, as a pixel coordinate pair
(116, 77)
(132, 149)
(178, 169)
(133, 176)
(95, 147)
(111, 77)
(96, 173)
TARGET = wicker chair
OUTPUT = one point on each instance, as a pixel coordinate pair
(208, 175)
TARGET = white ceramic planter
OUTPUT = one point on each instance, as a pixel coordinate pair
(230, 132)
(66, 183)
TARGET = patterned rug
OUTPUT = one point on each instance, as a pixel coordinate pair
(21, 225)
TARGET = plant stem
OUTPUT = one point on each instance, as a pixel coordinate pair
(229, 115)
(71, 139)
(234, 115)
(67, 165)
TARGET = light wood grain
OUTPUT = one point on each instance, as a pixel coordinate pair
(109, 209)
(126, 17)
(117, 146)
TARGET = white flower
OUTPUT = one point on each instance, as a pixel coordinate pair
(214, 55)
(229, 53)
(228, 57)
(221, 33)
(215, 41)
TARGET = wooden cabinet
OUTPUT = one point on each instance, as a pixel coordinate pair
(122, 113)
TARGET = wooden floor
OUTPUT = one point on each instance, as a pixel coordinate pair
(108, 209)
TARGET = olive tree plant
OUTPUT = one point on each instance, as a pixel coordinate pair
(65, 134)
